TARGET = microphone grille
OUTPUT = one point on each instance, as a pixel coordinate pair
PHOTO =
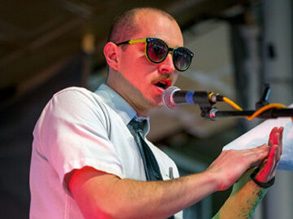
(167, 96)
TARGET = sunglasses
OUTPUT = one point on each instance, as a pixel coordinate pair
(156, 51)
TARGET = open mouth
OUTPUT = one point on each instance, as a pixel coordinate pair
(164, 84)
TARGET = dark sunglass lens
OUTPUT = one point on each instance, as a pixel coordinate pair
(182, 58)
(157, 50)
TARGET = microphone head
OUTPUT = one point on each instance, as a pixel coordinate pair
(167, 96)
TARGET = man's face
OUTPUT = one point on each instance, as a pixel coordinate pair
(146, 81)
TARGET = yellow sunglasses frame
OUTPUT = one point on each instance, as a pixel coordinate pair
(145, 40)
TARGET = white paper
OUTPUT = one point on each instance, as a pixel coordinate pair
(260, 135)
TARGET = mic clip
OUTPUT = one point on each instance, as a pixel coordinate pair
(208, 112)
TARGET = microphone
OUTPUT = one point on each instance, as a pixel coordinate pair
(174, 96)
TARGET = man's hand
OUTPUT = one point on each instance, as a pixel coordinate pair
(246, 193)
(268, 168)
(231, 164)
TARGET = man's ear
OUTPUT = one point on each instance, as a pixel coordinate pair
(111, 54)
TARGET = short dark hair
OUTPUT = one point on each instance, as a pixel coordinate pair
(124, 26)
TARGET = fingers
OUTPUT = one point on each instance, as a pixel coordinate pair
(275, 138)
(266, 171)
(268, 168)
(257, 155)
(276, 135)
(231, 164)
(271, 165)
(281, 130)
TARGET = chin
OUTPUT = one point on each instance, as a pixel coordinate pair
(157, 102)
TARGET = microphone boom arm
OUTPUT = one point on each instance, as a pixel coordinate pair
(214, 113)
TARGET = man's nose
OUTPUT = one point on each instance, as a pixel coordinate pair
(167, 66)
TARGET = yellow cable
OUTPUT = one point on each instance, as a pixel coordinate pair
(232, 103)
(265, 108)
(257, 112)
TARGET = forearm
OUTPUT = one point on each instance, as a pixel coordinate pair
(126, 198)
(243, 200)
(165, 198)
(102, 195)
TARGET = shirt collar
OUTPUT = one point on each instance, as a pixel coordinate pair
(119, 105)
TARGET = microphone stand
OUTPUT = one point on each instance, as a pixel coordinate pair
(210, 112)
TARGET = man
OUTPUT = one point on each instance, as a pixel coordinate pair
(85, 160)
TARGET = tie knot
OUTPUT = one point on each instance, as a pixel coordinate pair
(138, 125)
